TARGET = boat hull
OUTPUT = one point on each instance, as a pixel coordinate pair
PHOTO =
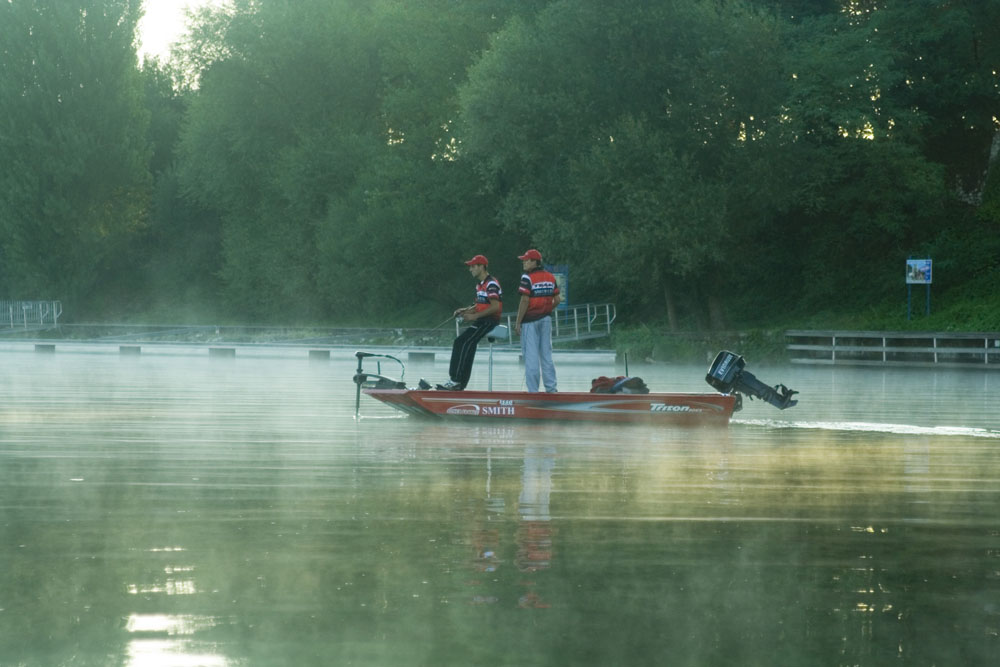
(659, 408)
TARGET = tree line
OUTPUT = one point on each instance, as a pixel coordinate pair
(706, 163)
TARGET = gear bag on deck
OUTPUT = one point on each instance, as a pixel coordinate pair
(618, 385)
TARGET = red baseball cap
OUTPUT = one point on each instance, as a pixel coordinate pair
(478, 259)
(531, 254)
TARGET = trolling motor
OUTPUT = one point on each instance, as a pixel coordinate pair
(374, 380)
(727, 376)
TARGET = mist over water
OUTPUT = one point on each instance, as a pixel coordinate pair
(183, 510)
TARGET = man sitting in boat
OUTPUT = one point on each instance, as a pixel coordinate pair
(484, 314)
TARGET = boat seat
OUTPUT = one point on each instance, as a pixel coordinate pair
(499, 332)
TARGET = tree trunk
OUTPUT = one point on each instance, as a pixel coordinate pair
(716, 313)
(668, 300)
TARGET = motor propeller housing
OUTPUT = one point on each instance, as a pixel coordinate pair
(727, 375)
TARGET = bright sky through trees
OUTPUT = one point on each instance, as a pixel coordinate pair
(163, 23)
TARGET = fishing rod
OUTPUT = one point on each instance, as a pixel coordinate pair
(450, 318)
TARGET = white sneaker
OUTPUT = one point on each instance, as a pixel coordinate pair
(450, 385)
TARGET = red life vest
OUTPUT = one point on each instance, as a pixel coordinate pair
(487, 290)
(540, 287)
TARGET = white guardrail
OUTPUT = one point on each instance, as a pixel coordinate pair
(29, 314)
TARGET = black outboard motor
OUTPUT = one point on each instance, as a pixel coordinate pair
(727, 376)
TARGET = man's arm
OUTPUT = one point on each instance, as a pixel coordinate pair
(471, 314)
(522, 308)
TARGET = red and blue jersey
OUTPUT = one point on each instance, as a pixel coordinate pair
(487, 291)
(540, 287)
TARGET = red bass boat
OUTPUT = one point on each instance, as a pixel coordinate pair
(622, 401)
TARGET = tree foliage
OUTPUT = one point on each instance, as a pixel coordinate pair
(321, 138)
(639, 149)
(714, 163)
(75, 169)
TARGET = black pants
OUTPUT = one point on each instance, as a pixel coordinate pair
(463, 351)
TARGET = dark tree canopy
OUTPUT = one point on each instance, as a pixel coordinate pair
(75, 171)
(708, 163)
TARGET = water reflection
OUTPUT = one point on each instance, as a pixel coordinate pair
(185, 513)
(149, 648)
(532, 543)
(534, 530)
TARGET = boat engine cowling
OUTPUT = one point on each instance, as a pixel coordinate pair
(727, 375)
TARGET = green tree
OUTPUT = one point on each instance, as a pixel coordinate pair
(875, 90)
(952, 66)
(274, 130)
(615, 134)
(74, 178)
(180, 251)
(320, 134)
(756, 158)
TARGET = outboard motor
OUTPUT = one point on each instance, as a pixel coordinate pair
(727, 376)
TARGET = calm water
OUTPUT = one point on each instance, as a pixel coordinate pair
(181, 510)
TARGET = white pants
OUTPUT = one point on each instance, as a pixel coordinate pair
(536, 348)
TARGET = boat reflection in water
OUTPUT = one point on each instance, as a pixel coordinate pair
(534, 530)
(533, 534)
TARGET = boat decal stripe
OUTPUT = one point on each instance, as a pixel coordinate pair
(611, 407)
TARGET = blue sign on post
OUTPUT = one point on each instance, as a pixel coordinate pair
(918, 272)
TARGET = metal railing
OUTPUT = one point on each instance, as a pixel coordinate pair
(27, 314)
(575, 323)
(580, 322)
(895, 348)
(589, 320)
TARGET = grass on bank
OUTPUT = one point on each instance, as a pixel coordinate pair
(972, 307)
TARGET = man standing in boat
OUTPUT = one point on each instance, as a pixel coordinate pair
(484, 314)
(539, 297)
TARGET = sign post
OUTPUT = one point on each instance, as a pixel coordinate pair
(918, 272)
